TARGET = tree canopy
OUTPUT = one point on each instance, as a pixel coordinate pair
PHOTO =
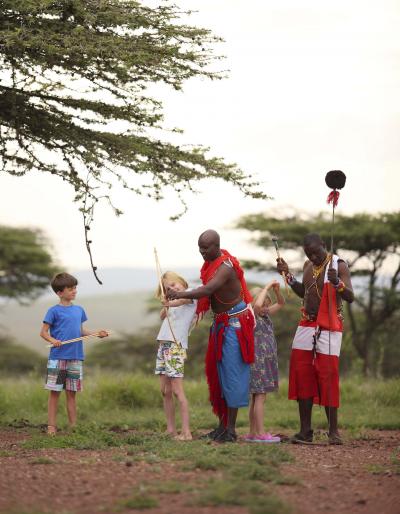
(25, 263)
(371, 245)
(74, 99)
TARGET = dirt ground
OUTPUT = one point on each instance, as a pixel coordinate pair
(362, 476)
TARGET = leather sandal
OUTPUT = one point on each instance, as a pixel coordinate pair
(213, 434)
(227, 436)
(300, 438)
(335, 439)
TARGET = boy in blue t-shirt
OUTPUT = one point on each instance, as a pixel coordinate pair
(64, 367)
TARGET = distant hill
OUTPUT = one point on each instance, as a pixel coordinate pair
(124, 280)
(123, 312)
(121, 280)
(120, 304)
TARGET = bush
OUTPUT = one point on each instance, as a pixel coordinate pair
(17, 359)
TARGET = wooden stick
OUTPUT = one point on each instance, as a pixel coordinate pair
(275, 241)
(83, 338)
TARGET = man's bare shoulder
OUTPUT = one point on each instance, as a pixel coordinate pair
(226, 269)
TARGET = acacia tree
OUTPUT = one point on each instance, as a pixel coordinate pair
(74, 98)
(25, 263)
(371, 245)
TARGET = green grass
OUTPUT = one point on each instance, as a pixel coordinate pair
(171, 487)
(393, 468)
(125, 413)
(244, 493)
(42, 460)
(85, 437)
(134, 402)
(225, 470)
(138, 501)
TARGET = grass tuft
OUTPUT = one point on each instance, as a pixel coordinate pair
(138, 501)
(42, 460)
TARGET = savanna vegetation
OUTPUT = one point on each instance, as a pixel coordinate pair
(26, 263)
(134, 400)
(371, 246)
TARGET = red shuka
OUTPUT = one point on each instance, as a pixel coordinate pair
(328, 318)
(245, 334)
(207, 272)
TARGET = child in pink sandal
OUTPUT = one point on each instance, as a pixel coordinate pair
(265, 438)
(264, 371)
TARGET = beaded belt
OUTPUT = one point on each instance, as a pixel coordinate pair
(232, 315)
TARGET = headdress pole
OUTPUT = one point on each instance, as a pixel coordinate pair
(335, 180)
(163, 292)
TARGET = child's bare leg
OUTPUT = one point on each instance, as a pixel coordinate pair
(177, 388)
(169, 406)
(259, 401)
(71, 407)
(251, 415)
(52, 412)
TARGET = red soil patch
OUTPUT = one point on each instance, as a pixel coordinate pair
(359, 477)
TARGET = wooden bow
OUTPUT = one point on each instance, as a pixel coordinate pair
(163, 292)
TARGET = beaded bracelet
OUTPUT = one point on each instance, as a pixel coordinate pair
(290, 279)
(340, 286)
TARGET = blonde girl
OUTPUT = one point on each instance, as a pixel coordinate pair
(264, 371)
(177, 317)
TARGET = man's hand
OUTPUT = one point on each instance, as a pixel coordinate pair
(333, 276)
(173, 295)
(56, 343)
(103, 333)
(282, 266)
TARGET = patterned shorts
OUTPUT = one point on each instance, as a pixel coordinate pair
(64, 374)
(170, 359)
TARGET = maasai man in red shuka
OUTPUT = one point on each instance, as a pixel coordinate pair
(314, 362)
(231, 344)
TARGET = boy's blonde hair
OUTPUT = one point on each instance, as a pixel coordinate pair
(255, 291)
(171, 276)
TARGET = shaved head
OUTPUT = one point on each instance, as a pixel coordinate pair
(209, 236)
(312, 238)
(314, 248)
(209, 245)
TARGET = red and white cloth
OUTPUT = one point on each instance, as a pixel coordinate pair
(314, 361)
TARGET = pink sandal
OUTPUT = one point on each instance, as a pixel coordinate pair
(248, 437)
(266, 438)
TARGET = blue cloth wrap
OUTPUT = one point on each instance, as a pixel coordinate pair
(233, 373)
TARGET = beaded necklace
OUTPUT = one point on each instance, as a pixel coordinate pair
(317, 270)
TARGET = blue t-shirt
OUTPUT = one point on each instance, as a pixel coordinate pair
(66, 323)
